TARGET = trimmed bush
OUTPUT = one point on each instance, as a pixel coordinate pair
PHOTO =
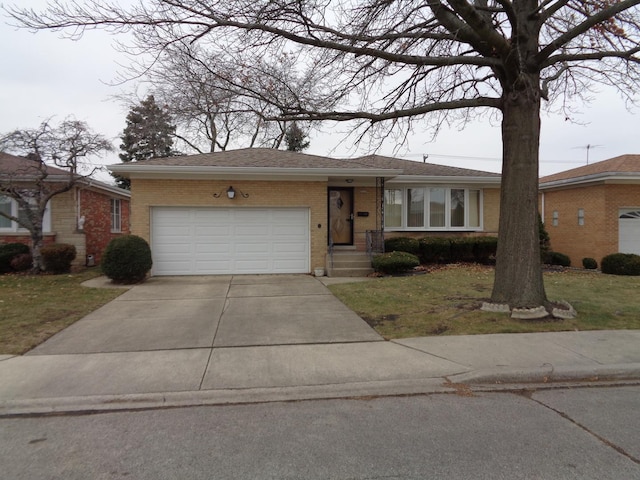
(485, 249)
(434, 249)
(402, 244)
(589, 263)
(57, 257)
(22, 262)
(621, 264)
(557, 258)
(127, 259)
(8, 252)
(395, 262)
(461, 249)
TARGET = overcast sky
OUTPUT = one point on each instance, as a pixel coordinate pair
(43, 75)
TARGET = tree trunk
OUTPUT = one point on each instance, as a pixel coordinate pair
(37, 238)
(518, 278)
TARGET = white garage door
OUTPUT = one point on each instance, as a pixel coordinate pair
(629, 231)
(205, 241)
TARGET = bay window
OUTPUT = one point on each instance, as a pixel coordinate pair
(433, 208)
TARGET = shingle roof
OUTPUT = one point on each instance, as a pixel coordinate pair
(624, 164)
(19, 166)
(410, 167)
(273, 158)
(15, 168)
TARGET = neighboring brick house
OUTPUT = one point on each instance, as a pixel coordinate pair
(271, 211)
(88, 216)
(593, 210)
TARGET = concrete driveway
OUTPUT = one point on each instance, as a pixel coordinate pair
(170, 313)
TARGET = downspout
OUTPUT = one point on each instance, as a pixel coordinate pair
(542, 207)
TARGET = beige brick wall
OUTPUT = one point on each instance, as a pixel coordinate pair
(64, 224)
(364, 199)
(146, 194)
(599, 234)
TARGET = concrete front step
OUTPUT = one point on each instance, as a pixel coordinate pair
(348, 264)
(349, 272)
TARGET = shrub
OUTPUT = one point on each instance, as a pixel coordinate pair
(395, 262)
(557, 258)
(461, 249)
(434, 249)
(57, 257)
(22, 262)
(402, 244)
(589, 263)
(8, 252)
(545, 243)
(127, 259)
(621, 264)
(484, 249)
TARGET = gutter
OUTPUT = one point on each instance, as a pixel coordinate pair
(596, 177)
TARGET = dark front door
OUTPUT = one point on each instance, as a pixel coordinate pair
(341, 216)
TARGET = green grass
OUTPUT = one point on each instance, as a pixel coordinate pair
(33, 308)
(446, 301)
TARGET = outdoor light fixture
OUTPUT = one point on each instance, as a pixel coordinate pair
(231, 193)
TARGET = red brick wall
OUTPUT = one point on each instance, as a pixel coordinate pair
(26, 239)
(96, 209)
(599, 234)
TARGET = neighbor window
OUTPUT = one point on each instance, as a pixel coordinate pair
(581, 216)
(554, 218)
(116, 215)
(10, 207)
(5, 207)
(436, 208)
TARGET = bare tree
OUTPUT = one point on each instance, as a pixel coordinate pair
(396, 63)
(220, 101)
(52, 160)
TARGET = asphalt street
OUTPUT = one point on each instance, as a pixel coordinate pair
(577, 433)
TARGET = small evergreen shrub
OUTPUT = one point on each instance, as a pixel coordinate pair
(484, 249)
(127, 259)
(8, 252)
(22, 262)
(589, 263)
(57, 257)
(557, 258)
(434, 249)
(621, 264)
(461, 249)
(395, 262)
(402, 244)
(545, 242)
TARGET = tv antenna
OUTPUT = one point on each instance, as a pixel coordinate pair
(588, 147)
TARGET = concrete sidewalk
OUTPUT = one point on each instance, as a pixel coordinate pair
(236, 346)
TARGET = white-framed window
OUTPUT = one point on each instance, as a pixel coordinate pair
(433, 208)
(581, 216)
(116, 215)
(555, 218)
(10, 206)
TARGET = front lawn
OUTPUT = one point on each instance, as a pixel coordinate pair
(446, 301)
(33, 308)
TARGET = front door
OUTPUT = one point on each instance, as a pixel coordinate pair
(340, 216)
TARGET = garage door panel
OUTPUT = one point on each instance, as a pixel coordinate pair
(629, 231)
(197, 241)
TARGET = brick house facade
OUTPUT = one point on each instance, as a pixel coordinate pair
(244, 211)
(82, 216)
(582, 209)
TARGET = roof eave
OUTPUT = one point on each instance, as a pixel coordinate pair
(183, 171)
(609, 177)
(448, 179)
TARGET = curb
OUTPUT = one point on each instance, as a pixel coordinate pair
(466, 384)
(148, 401)
(549, 373)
